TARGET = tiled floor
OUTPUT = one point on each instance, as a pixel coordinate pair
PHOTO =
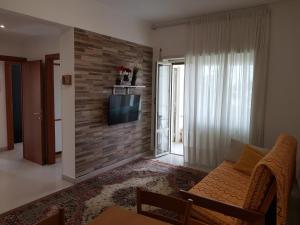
(177, 148)
(178, 160)
(22, 181)
(172, 159)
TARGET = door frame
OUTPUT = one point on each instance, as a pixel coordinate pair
(156, 108)
(179, 61)
(172, 62)
(9, 98)
(49, 104)
(7, 58)
(49, 108)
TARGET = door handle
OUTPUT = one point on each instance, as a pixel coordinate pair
(38, 115)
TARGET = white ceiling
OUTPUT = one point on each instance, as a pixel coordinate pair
(156, 11)
(22, 26)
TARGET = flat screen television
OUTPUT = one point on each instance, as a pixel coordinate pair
(123, 108)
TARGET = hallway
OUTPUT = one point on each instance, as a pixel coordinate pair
(22, 181)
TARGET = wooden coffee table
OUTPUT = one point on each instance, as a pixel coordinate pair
(120, 216)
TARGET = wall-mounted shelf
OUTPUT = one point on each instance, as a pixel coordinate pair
(127, 87)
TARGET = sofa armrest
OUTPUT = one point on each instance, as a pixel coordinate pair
(227, 209)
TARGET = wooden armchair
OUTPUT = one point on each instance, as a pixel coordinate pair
(179, 206)
(54, 217)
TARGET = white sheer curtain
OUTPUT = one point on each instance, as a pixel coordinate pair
(225, 82)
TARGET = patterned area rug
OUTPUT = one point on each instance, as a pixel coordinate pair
(84, 201)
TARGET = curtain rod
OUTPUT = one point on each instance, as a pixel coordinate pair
(178, 22)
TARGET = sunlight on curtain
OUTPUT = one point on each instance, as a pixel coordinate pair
(224, 82)
(236, 110)
(223, 107)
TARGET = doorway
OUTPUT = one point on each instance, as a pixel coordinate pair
(177, 99)
(26, 40)
(24, 108)
(17, 102)
(53, 107)
(169, 107)
(32, 99)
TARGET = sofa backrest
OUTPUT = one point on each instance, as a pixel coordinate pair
(278, 167)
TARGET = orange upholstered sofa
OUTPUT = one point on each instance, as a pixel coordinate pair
(229, 197)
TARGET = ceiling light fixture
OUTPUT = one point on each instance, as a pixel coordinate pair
(2, 26)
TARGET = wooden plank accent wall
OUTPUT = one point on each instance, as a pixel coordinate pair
(96, 58)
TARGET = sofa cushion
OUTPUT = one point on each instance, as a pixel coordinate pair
(223, 184)
(235, 149)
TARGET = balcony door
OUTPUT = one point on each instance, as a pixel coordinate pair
(163, 109)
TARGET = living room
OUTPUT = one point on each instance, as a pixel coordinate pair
(156, 95)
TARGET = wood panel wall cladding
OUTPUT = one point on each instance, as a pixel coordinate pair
(96, 59)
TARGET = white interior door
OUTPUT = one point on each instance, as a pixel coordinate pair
(163, 109)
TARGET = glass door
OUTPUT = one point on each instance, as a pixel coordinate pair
(163, 109)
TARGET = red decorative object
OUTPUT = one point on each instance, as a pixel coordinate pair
(122, 69)
(124, 76)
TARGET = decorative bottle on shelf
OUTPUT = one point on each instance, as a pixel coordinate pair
(134, 76)
(118, 80)
(126, 79)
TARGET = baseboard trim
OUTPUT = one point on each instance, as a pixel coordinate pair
(69, 179)
(3, 149)
(111, 167)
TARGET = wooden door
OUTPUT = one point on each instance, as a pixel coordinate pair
(50, 123)
(32, 111)
(9, 105)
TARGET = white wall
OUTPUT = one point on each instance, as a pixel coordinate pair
(172, 40)
(283, 99)
(37, 47)
(11, 46)
(68, 104)
(90, 15)
(283, 94)
(30, 47)
(3, 133)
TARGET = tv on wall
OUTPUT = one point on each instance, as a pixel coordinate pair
(123, 108)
